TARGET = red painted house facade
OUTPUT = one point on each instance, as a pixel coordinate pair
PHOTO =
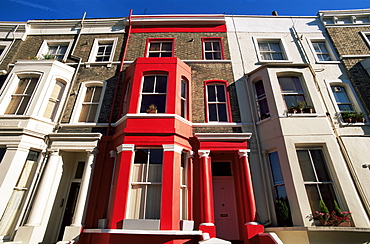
(173, 167)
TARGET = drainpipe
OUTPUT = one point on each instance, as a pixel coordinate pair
(57, 126)
(120, 73)
(245, 78)
(343, 149)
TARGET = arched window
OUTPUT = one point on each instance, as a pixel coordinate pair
(184, 98)
(22, 95)
(54, 100)
(89, 102)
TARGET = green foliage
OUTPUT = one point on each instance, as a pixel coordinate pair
(323, 207)
(283, 214)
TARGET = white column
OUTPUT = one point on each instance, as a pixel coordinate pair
(43, 192)
(82, 196)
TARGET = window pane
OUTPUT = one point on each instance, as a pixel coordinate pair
(167, 46)
(313, 197)
(212, 112)
(89, 94)
(158, 100)
(221, 93)
(306, 166)
(290, 84)
(154, 46)
(92, 113)
(97, 93)
(263, 106)
(166, 54)
(153, 205)
(340, 94)
(148, 84)
(209, 55)
(216, 46)
(208, 46)
(161, 84)
(211, 93)
(217, 56)
(2, 153)
(277, 174)
(320, 166)
(155, 55)
(141, 156)
(222, 114)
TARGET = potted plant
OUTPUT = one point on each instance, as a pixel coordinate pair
(336, 217)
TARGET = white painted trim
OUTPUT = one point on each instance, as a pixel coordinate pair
(125, 147)
(172, 148)
(95, 47)
(45, 48)
(6, 45)
(223, 136)
(204, 154)
(271, 38)
(81, 95)
(207, 224)
(143, 232)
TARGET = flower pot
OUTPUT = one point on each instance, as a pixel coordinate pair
(345, 224)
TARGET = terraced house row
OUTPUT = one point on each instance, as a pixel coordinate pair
(186, 129)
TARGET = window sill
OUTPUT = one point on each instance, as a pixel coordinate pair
(328, 62)
(317, 228)
(108, 63)
(275, 61)
(142, 232)
(301, 115)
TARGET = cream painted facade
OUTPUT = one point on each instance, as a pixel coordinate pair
(284, 133)
(41, 169)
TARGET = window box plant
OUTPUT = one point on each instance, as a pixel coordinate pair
(300, 107)
(336, 217)
(353, 117)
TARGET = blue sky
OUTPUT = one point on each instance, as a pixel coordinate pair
(22, 10)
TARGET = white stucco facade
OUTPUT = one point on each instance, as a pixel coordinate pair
(284, 132)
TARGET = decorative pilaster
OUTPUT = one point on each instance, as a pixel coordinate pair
(121, 185)
(44, 189)
(207, 206)
(82, 196)
(247, 186)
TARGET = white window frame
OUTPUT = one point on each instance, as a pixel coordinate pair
(283, 48)
(45, 48)
(80, 98)
(161, 50)
(95, 48)
(57, 100)
(144, 182)
(6, 45)
(213, 52)
(366, 36)
(346, 84)
(216, 103)
(12, 89)
(333, 58)
(153, 93)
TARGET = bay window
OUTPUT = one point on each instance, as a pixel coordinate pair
(54, 100)
(184, 97)
(146, 184)
(153, 95)
(22, 96)
(292, 91)
(262, 105)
